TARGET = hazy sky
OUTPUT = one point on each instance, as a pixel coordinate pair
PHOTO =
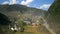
(40, 4)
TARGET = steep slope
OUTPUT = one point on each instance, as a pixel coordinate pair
(4, 20)
(53, 16)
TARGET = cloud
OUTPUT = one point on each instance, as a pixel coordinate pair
(45, 6)
(28, 5)
(27, 2)
(13, 1)
(6, 2)
(10, 2)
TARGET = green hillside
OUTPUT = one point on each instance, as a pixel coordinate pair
(53, 16)
(16, 9)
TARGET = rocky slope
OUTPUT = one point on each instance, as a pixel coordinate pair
(53, 16)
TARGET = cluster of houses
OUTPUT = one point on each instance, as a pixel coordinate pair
(33, 21)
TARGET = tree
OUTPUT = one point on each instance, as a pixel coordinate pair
(21, 25)
(4, 24)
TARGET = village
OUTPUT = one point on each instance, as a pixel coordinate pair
(29, 23)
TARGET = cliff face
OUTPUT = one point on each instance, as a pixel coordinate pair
(53, 16)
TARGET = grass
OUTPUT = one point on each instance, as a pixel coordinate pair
(31, 30)
(25, 33)
(28, 30)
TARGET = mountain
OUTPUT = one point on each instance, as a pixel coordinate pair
(53, 16)
(16, 9)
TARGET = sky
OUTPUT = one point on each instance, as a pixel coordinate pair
(40, 4)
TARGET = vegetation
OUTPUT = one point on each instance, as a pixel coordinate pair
(21, 25)
(4, 24)
(53, 16)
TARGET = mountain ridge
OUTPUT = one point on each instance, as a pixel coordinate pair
(20, 9)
